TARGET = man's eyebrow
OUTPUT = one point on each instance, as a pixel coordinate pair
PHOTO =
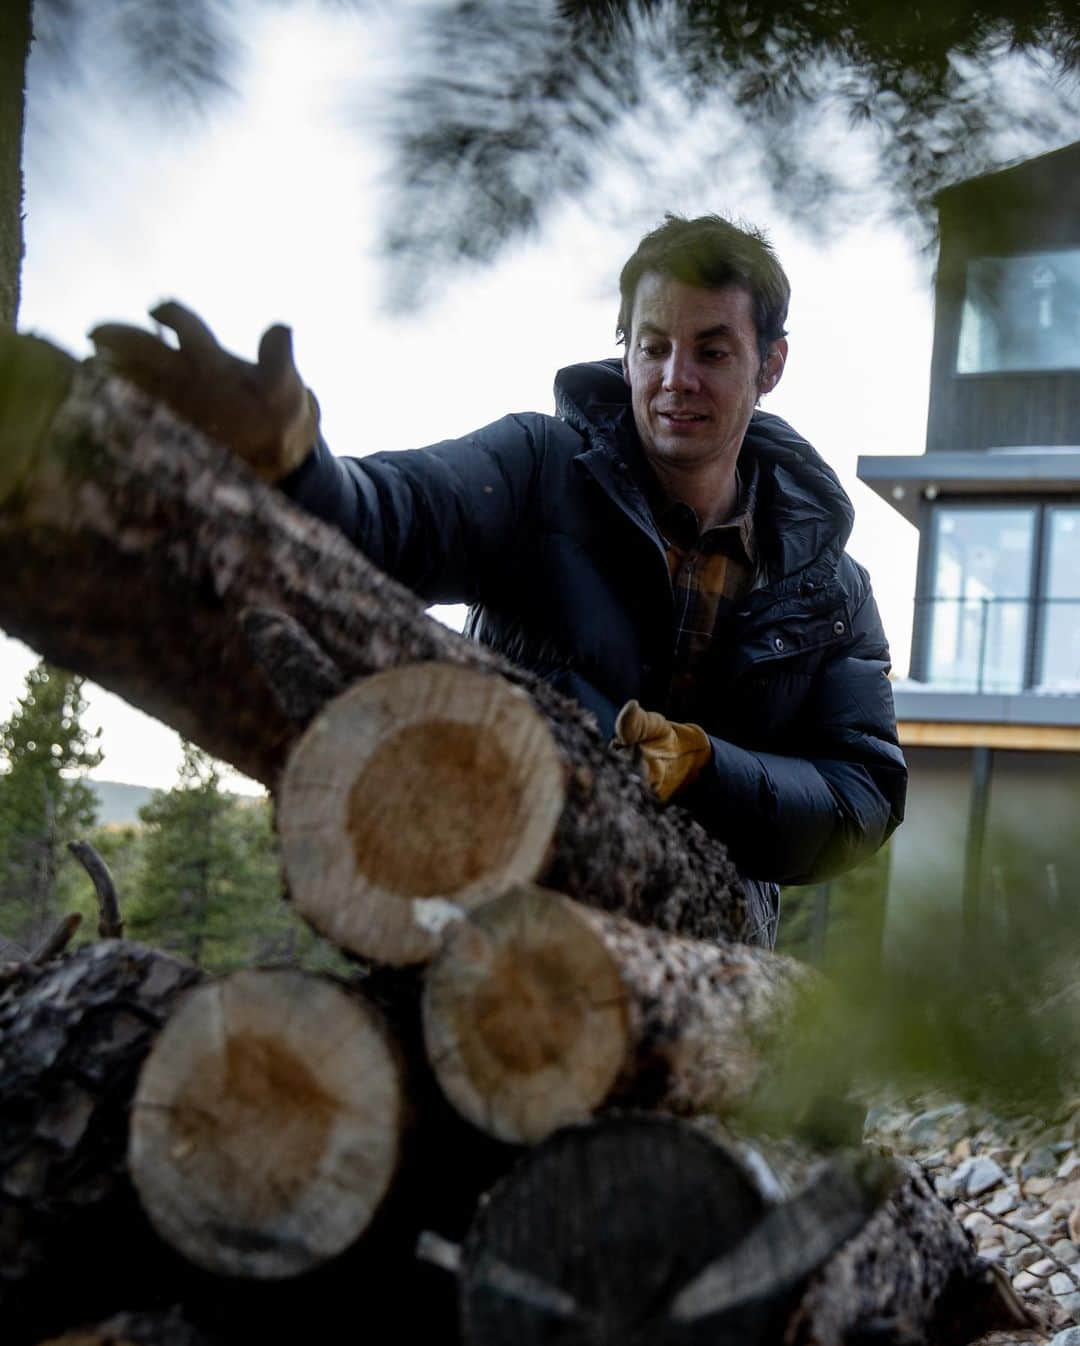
(721, 329)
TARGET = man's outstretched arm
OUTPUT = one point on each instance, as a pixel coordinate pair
(443, 520)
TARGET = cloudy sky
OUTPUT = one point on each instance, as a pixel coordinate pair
(267, 210)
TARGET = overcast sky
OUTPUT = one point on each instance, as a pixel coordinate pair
(267, 211)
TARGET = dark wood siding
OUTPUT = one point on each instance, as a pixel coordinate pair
(1031, 208)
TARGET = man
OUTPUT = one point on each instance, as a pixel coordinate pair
(662, 544)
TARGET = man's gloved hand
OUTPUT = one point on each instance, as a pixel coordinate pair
(672, 754)
(261, 411)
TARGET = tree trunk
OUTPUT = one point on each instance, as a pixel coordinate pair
(538, 1011)
(633, 1230)
(73, 1035)
(15, 32)
(151, 561)
(267, 1124)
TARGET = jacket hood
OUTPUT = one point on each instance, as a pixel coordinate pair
(809, 515)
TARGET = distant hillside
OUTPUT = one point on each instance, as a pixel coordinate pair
(118, 802)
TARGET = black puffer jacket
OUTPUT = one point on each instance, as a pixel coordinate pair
(540, 525)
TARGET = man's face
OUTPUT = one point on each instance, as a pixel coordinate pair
(694, 372)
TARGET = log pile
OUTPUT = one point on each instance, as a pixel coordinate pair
(493, 1132)
(271, 1143)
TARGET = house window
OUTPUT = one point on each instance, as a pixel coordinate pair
(1021, 313)
(979, 600)
(1059, 663)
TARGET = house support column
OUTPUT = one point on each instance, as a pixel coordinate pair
(982, 759)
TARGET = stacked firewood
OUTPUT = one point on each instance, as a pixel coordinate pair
(481, 1136)
(229, 1156)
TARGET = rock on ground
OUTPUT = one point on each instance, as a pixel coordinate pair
(1015, 1185)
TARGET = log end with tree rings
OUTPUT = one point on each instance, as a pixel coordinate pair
(525, 1016)
(266, 1125)
(595, 1233)
(419, 793)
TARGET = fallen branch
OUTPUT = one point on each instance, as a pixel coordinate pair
(110, 922)
(57, 940)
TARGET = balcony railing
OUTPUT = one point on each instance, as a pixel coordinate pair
(999, 645)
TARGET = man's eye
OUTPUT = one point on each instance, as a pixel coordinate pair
(716, 354)
(650, 350)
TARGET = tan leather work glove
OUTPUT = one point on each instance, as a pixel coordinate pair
(672, 754)
(261, 411)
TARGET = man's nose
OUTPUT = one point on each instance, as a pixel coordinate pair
(680, 374)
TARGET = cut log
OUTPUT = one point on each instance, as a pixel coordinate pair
(639, 1229)
(73, 1035)
(419, 793)
(76, 1245)
(267, 1124)
(910, 1276)
(538, 1011)
(133, 548)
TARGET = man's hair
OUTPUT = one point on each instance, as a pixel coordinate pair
(711, 252)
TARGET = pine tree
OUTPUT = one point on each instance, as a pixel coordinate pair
(209, 883)
(44, 802)
(183, 859)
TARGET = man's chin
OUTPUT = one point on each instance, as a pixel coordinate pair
(682, 450)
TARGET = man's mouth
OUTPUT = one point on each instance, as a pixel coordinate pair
(681, 417)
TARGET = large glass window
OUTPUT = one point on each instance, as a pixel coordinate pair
(1021, 313)
(980, 597)
(1059, 665)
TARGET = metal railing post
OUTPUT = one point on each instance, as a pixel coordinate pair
(985, 603)
(1030, 661)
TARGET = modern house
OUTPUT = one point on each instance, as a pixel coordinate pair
(990, 715)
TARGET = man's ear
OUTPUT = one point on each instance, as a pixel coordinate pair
(626, 369)
(772, 367)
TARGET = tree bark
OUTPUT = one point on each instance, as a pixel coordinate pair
(15, 33)
(134, 549)
(73, 1035)
(911, 1276)
(633, 1230)
(267, 1125)
(538, 1011)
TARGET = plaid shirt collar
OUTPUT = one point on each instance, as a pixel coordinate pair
(680, 526)
(677, 523)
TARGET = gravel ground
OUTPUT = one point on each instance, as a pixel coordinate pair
(1015, 1185)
